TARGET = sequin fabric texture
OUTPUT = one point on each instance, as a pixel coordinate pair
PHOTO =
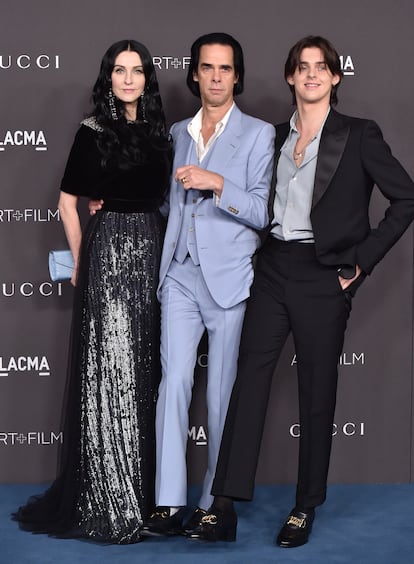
(105, 485)
(119, 371)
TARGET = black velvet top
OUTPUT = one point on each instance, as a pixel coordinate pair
(140, 188)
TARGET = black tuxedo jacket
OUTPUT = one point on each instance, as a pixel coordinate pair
(352, 158)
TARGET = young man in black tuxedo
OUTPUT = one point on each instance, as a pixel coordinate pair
(319, 249)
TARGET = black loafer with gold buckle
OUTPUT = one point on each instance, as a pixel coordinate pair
(194, 521)
(297, 528)
(216, 525)
(162, 523)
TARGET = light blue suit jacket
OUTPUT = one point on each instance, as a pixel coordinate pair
(226, 233)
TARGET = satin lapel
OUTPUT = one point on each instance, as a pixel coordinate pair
(282, 131)
(333, 140)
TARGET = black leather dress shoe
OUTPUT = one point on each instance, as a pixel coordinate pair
(216, 525)
(194, 521)
(296, 529)
(161, 523)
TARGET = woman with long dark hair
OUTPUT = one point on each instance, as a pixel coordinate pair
(121, 155)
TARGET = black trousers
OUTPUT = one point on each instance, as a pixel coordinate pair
(292, 292)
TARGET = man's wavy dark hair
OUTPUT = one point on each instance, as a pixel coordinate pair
(213, 39)
(331, 58)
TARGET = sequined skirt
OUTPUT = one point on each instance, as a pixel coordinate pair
(106, 485)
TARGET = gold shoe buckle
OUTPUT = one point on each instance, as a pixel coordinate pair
(209, 519)
(162, 514)
(297, 521)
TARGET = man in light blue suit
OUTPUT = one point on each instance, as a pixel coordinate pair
(218, 202)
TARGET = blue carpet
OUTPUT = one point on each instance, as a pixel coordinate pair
(359, 524)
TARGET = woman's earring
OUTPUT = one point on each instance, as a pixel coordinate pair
(142, 108)
(112, 106)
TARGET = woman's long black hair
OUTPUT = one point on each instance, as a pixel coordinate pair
(121, 143)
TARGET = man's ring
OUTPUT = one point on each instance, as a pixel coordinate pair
(183, 180)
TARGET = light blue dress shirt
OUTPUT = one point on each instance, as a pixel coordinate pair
(294, 189)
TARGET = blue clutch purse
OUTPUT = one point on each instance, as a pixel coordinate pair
(61, 265)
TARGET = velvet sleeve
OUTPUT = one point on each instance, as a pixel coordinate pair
(83, 170)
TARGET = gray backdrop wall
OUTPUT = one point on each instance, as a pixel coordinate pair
(49, 57)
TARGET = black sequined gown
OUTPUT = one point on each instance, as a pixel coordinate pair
(105, 487)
